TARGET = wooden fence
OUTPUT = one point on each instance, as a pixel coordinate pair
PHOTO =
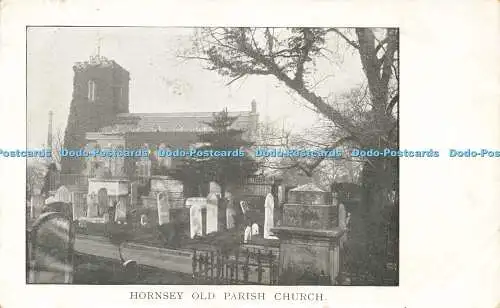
(240, 267)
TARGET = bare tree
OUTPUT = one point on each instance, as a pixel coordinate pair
(290, 55)
(57, 146)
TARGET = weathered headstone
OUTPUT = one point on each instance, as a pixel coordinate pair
(92, 207)
(269, 217)
(214, 187)
(212, 212)
(310, 240)
(37, 202)
(230, 211)
(50, 249)
(255, 229)
(121, 211)
(163, 208)
(248, 235)
(79, 204)
(244, 207)
(134, 193)
(102, 199)
(63, 195)
(281, 194)
(195, 205)
(144, 220)
(342, 217)
(230, 214)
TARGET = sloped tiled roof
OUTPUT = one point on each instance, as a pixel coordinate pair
(168, 122)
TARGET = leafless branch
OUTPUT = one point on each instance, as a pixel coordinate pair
(342, 35)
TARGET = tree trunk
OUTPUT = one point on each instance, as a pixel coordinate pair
(221, 208)
(368, 241)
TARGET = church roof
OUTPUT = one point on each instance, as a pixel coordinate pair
(172, 122)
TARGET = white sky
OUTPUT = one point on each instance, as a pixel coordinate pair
(150, 55)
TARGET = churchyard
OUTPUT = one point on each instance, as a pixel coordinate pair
(242, 246)
(222, 219)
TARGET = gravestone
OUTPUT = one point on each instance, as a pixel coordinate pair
(144, 220)
(230, 217)
(79, 204)
(102, 201)
(134, 193)
(342, 217)
(63, 195)
(230, 211)
(214, 187)
(269, 217)
(248, 235)
(37, 202)
(212, 212)
(244, 207)
(342, 223)
(255, 229)
(309, 237)
(163, 208)
(50, 249)
(121, 211)
(195, 205)
(281, 194)
(92, 206)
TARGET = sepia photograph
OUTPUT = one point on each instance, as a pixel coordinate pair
(212, 156)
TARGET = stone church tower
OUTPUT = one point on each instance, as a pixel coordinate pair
(100, 92)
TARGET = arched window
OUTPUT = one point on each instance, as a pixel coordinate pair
(91, 91)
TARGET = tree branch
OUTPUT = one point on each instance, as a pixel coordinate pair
(350, 42)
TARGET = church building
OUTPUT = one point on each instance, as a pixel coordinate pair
(99, 118)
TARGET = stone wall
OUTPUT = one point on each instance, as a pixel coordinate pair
(111, 97)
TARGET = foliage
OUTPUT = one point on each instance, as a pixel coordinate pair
(291, 56)
(221, 169)
(35, 172)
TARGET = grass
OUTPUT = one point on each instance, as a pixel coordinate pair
(91, 269)
(151, 236)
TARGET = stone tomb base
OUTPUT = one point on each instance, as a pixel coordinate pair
(308, 257)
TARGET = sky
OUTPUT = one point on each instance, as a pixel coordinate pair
(160, 80)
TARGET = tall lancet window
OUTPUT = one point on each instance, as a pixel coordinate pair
(91, 93)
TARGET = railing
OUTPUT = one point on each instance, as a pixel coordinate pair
(56, 180)
(241, 267)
